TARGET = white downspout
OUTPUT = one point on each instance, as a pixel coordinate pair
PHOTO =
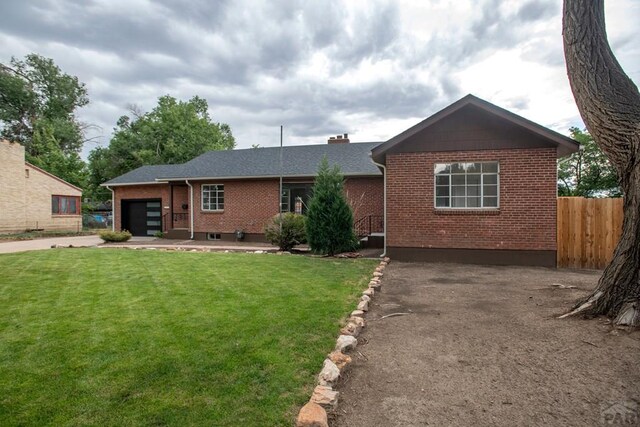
(113, 208)
(384, 200)
(190, 208)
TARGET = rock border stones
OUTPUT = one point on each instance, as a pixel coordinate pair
(324, 398)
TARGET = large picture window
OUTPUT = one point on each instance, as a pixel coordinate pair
(212, 197)
(65, 205)
(467, 185)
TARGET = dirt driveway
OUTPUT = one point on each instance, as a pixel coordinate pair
(482, 346)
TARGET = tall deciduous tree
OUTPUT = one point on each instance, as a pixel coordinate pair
(609, 103)
(36, 93)
(38, 103)
(329, 217)
(588, 172)
(173, 132)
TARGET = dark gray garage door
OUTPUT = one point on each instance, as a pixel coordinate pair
(142, 217)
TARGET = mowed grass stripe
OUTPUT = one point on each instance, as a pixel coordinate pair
(122, 337)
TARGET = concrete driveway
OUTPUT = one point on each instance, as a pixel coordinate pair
(482, 345)
(38, 244)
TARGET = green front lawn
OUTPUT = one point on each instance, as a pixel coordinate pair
(123, 337)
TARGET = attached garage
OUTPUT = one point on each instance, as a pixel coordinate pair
(142, 217)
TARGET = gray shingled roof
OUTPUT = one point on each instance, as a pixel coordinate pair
(144, 174)
(298, 161)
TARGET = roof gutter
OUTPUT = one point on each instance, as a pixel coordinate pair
(190, 208)
(384, 201)
(130, 183)
(164, 180)
(113, 207)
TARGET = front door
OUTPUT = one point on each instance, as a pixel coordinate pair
(142, 217)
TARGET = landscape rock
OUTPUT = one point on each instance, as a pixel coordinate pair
(357, 313)
(368, 293)
(346, 343)
(366, 298)
(312, 415)
(340, 359)
(379, 269)
(259, 252)
(325, 397)
(374, 282)
(387, 259)
(358, 321)
(376, 286)
(363, 305)
(377, 274)
(329, 374)
(352, 329)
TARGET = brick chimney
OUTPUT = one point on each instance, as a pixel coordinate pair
(340, 139)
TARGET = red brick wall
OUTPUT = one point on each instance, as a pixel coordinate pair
(365, 195)
(248, 205)
(154, 191)
(180, 197)
(526, 218)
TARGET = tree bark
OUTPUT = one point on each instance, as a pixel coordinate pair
(609, 103)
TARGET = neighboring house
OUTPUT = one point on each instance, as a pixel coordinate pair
(33, 199)
(472, 183)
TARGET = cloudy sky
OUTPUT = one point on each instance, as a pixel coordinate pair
(369, 68)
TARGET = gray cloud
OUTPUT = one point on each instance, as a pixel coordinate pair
(260, 64)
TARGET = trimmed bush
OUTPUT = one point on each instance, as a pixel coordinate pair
(329, 218)
(114, 236)
(292, 233)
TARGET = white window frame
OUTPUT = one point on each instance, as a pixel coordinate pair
(482, 184)
(217, 191)
(285, 206)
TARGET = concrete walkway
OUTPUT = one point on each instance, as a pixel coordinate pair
(39, 244)
(152, 242)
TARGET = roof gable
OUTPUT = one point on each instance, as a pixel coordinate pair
(474, 124)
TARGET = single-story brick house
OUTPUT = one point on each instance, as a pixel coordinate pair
(472, 183)
(33, 199)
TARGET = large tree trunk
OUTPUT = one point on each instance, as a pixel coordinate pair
(609, 103)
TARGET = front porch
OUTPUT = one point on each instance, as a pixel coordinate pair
(175, 222)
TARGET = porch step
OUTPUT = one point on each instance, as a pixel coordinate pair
(374, 240)
(176, 233)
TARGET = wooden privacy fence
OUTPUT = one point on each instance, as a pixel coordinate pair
(588, 231)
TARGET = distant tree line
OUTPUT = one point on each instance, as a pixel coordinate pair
(38, 105)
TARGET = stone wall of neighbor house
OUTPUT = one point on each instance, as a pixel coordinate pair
(141, 192)
(25, 195)
(39, 189)
(365, 195)
(525, 220)
(12, 187)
